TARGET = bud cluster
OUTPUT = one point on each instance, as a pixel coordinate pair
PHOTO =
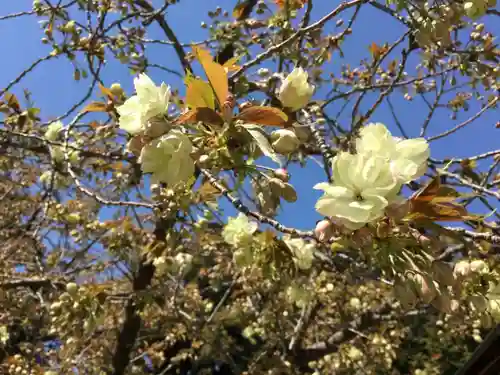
(75, 314)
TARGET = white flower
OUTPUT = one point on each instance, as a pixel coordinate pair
(363, 187)
(295, 92)
(408, 158)
(168, 158)
(149, 101)
(132, 118)
(156, 99)
(303, 252)
(53, 130)
(284, 141)
(239, 231)
(57, 154)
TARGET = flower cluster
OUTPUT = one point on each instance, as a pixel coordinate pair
(366, 183)
(167, 158)
(238, 232)
(52, 134)
(303, 252)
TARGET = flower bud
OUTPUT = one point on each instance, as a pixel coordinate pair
(72, 289)
(295, 92)
(74, 156)
(74, 218)
(284, 141)
(355, 303)
(116, 89)
(57, 154)
(475, 9)
(479, 28)
(263, 72)
(324, 230)
(282, 174)
(53, 130)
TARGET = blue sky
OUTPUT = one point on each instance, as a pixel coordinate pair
(54, 90)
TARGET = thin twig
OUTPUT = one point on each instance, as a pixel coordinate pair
(236, 202)
(470, 184)
(465, 123)
(278, 47)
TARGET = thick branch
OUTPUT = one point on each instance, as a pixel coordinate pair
(130, 329)
(169, 33)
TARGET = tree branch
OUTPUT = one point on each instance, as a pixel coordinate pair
(169, 33)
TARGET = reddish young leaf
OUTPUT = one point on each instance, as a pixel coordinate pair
(263, 116)
(96, 107)
(199, 93)
(436, 202)
(12, 101)
(106, 92)
(216, 74)
(200, 114)
(377, 51)
(239, 10)
(293, 4)
(230, 65)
